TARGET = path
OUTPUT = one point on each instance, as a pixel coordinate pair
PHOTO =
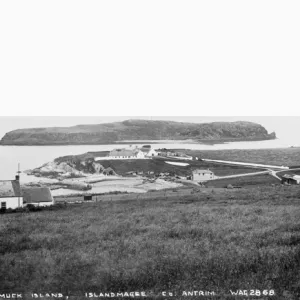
(270, 168)
(246, 164)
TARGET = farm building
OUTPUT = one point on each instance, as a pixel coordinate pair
(132, 173)
(40, 196)
(174, 154)
(133, 152)
(202, 175)
(88, 197)
(149, 152)
(291, 179)
(126, 154)
(10, 194)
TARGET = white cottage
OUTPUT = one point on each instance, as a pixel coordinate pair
(152, 152)
(148, 151)
(10, 194)
(202, 175)
(126, 154)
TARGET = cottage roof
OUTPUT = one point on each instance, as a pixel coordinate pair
(37, 195)
(10, 188)
(123, 152)
(292, 176)
(145, 150)
(202, 171)
(288, 176)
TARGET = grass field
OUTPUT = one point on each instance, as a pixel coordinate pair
(215, 241)
(281, 156)
(158, 164)
(247, 181)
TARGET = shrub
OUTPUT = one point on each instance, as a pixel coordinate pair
(32, 207)
(22, 209)
(55, 206)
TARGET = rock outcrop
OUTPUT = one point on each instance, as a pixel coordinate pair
(70, 168)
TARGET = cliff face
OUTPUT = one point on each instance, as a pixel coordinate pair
(137, 130)
(70, 167)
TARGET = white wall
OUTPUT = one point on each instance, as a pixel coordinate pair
(200, 177)
(113, 157)
(297, 178)
(140, 154)
(12, 202)
(40, 203)
(152, 152)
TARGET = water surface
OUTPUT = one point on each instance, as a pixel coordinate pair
(31, 157)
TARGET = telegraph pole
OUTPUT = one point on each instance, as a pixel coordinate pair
(18, 177)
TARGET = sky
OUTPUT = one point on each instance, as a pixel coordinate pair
(285, 127)
(170, 57)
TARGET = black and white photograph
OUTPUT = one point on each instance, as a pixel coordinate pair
(149, 149)
(150, 207)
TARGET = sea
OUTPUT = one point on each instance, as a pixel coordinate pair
(30, 157)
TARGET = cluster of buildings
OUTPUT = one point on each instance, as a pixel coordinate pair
(145, 152)
(174, 155)
(13, 197)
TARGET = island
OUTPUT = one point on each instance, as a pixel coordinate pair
(138, 130)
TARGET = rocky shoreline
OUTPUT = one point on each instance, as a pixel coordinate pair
(99, 185)
(71, 176)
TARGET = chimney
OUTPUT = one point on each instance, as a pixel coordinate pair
(18, 176)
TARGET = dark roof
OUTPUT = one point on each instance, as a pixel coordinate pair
(17, 188)
(10, 188)
(145, 150)
(290, 176)
(36, 195)
(202, 171)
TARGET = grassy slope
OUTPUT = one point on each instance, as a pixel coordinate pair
(257, 180)
(281, 156)
(156, 165)
(286, 156)
(232, 239)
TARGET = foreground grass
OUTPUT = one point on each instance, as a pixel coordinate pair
(240, 239)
